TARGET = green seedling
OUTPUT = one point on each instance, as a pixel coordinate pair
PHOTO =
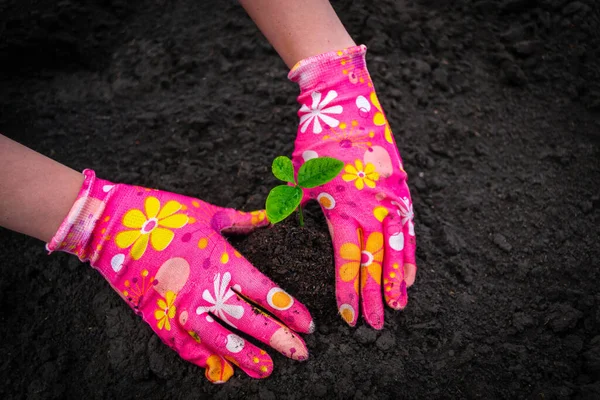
(284, 199)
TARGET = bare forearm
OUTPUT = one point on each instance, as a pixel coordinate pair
(36, 193)
(298, 29)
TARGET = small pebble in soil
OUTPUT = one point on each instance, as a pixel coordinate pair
(421, 67)
(514, 74)
(501, 242)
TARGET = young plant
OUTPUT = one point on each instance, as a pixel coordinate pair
(284, 199)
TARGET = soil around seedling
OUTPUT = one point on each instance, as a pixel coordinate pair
(495, 106)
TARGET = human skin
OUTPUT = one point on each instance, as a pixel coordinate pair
(36, 192)
(296, 29)
(334, 86)
(81, 214)
(299, 29)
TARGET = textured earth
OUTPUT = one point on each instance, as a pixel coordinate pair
(495, 106)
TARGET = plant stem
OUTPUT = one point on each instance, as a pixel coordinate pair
(301, 216)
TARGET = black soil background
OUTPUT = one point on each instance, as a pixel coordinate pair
(495, 106)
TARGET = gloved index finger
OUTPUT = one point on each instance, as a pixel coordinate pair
(259, 289)
(240, 314)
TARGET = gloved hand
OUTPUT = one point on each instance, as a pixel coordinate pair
(368, 207)
(164, 254)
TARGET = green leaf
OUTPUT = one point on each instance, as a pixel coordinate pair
(318, 171)
(283, 169)
(282, 201)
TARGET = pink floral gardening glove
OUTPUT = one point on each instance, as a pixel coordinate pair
(164, 254)
(368, 206)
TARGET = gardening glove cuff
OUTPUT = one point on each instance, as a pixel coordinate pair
(309, 73)
(75, 232)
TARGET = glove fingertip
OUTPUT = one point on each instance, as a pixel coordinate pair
(375, 319)
(262, 366)
(218, 370)
(399, 301)
(290, 344)
(348, 314)
(245, 222)
(410, 272)
(377, 326)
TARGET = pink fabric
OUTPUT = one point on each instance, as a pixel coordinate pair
(164, 254)
(368, 206)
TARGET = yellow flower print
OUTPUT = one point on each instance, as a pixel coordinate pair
(361, 174)
(166, 311)
(151, 227)
(379, 119)
(349, 271)
(217, 369)
(263, 360)
(195, 336)
(369, 258)
(351, 253)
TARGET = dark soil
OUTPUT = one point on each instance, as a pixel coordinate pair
(496, 110)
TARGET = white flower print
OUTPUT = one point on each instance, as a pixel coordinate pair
(219, 305)
(396, 241)
(405, 211)
(317, 112)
